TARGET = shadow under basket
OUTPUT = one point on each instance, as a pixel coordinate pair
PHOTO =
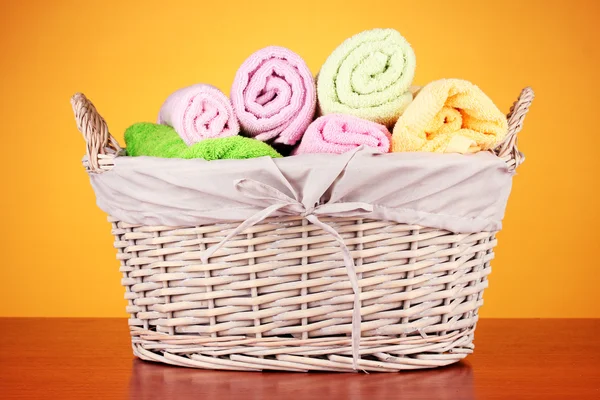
(280, 298)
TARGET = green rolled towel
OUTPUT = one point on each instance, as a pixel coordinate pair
(368, 76)
(154, 140)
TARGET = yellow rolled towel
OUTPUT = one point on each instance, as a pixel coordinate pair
(449, 116)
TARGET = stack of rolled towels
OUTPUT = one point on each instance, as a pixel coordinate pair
(363, 96)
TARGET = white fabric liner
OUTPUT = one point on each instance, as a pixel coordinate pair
(455, 192)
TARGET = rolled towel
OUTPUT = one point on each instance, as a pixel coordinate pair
(338, 133)
(369, 76)
(199, 112)
(450, 116)
(273, 95)
(154, 140)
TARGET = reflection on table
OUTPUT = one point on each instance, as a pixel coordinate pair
(150, 380)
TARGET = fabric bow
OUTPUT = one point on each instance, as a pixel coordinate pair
(280, 202)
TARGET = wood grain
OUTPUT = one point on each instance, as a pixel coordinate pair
(91, 358)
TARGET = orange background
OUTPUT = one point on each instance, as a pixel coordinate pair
(128, 56)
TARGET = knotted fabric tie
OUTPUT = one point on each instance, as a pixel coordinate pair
(280, 202)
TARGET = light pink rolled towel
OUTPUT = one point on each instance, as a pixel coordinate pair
(339, 133)
(199, 112)
(274, 96)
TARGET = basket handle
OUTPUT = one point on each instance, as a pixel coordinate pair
(98, 139)
(508, 148)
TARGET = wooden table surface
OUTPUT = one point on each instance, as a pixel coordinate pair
(92, 358)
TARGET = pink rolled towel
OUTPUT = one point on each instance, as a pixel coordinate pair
(339, 133)
(199, 112)
(274, 95)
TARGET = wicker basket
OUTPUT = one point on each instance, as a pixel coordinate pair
(417, 310)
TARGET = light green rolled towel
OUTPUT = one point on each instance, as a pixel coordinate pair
(154, 140)
(368, 76)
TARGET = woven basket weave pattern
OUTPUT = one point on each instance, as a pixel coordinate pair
(286, 280)
(278, 296)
